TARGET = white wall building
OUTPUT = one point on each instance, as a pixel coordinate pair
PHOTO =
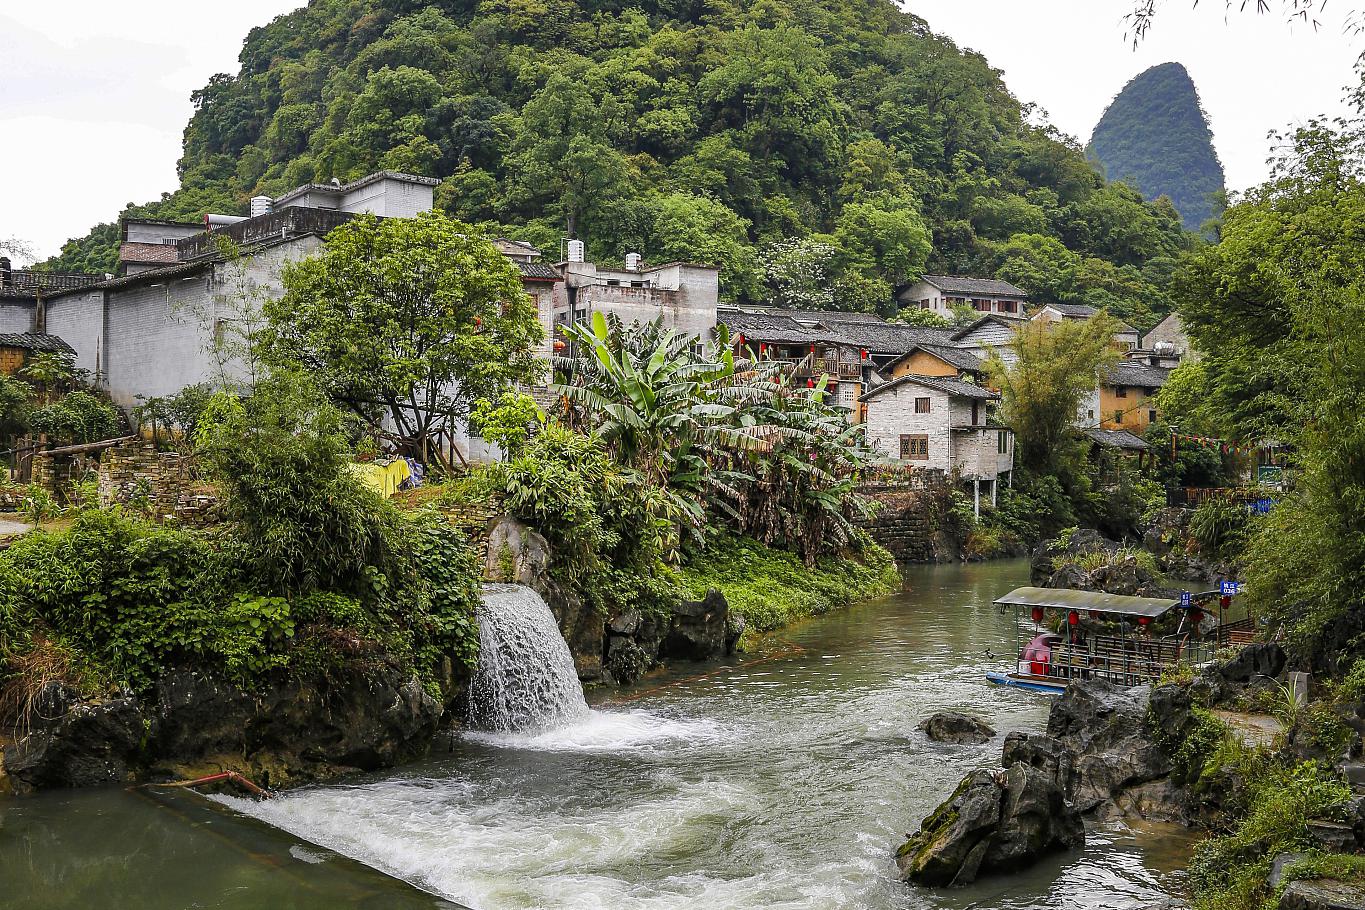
(940, 293)
(942, 424)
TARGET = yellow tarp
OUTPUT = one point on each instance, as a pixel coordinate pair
(384, 479)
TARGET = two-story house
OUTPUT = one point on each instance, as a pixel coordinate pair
(941, 293)
(942, 423)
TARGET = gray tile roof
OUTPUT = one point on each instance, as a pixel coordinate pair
(962, 359)
(828, 316)
(1133, 373)
(1078, 310)
(539, 271)
(981, 287)
(770, 327)
(890, 338)
(938, 383)
(972, 327)
(1116, 439)
(35, 341)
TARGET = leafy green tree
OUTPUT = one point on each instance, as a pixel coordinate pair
(409, 319)
(698, 229)
(797, 273)
(1054, 368)
(16, 406)
(77, 418)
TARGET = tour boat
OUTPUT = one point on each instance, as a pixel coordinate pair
(1107, 636)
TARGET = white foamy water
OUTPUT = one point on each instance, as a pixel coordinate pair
(608, 731)
(525, 679)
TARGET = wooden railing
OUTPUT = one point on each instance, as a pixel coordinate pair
(1124, 661)
(1196, 496)
(1237, 634)
(812, 366)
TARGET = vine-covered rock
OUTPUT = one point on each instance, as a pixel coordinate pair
(956, 727)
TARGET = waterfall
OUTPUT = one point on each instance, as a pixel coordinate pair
(526, 679)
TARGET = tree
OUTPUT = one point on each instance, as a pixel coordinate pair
(409, 319)
(1056, 366)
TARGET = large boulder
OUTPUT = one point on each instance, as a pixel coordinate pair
(957, 728)
(1043, 564)
(1322, 894)
(75, 743)
(995, 822)
(699, 629)
(1107, 728)
(1263, 660)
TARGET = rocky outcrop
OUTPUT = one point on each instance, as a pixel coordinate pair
(1046, 556)
(284, 733)
(1322, 894)
(957, 728)
(699, 629)
(995, 822)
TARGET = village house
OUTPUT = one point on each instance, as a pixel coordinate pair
(941, 293)
(942, 424)
(17, 349)
(683, 296)
(1126, 338)
(1127, 397)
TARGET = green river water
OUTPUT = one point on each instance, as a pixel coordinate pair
(784, 781)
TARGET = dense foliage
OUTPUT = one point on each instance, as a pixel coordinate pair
(1281, 302)
(718, 434)
(308, 570)
(405, 320)
(1156, 135)
(700, 132)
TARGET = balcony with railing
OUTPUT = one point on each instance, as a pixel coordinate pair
(813, 367)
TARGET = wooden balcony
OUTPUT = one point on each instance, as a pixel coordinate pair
(812, 367)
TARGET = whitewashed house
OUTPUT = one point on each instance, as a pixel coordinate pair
(989, 334)
(1126, 338)
(940, 293)
(943, 424)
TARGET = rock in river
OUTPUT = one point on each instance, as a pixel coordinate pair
(996, 821)
(956, 727)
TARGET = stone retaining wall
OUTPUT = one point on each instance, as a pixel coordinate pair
(909, 524)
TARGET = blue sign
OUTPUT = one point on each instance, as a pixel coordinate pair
(1185, 598)
(1229, 588)
(1263, 506)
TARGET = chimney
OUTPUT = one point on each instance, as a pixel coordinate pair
(261, 205)
(634, 261)
(577, 251)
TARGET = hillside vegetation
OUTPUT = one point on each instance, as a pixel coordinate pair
(839, 139)
(1156, 135)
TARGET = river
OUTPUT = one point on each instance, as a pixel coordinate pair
(784, 780)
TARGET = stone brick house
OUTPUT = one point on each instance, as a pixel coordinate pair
(16, 349)
(944, 424)
(1127, 397)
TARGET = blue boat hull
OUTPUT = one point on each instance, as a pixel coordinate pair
(1019, 682)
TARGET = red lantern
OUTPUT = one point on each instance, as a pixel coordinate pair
(1144, 620)
(810, 383)
(864, 353)
(558, 346)
(763, 348)
(741, 339)
(812, 349)
(1037, 614)
(1073, 618)
(1196, 615)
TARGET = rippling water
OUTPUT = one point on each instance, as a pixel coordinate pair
(784, 782)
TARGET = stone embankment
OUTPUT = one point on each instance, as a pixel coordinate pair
(285, 733)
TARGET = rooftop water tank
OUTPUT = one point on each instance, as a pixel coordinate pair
(577, 251)
(633, 262)
(261, 205)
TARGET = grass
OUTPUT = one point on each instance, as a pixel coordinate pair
(1096, 559)
(771, 588)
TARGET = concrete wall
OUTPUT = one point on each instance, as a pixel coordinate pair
(78, 319)
(16, 315)
(389, 199)
(156, 338)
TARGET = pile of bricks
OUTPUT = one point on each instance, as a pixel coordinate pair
(136, 474)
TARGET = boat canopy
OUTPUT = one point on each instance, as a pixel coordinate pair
(1066, 599)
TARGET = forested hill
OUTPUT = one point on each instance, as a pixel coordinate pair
(1155, 134)
(799, 145)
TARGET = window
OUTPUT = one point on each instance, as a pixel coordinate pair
(981, 306)
(1120, 392)
(1151, 416)
(1118, 417)
(1002, 444)
(1090, 414)
(915, 447)
(1009, 306)
(922, 405)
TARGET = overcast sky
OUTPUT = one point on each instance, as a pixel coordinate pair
(94, 94)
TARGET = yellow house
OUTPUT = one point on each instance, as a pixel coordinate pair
(934, 360)
(1128, 396)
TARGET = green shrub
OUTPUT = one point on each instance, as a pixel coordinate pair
(509, 421)
(770, 587)
(450, 573)
(1230, 872)
(1220, 528)
(279, 460)
(77, 418)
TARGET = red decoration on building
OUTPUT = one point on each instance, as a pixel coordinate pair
(810, 383)
(1037, 614)
(1073, 618)
(1144, 620)
(558, 346)
(864, 353)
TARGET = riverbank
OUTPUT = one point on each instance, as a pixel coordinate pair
(784, 783)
